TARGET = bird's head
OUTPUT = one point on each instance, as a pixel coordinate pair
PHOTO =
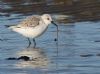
(47, 19)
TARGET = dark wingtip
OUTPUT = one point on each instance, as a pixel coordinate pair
(7, 26)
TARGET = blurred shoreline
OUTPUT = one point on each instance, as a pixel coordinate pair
(81, 10)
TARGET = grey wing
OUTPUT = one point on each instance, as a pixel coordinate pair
(30, 21)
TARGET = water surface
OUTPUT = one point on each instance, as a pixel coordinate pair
(76, 52)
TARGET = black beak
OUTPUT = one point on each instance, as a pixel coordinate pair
(54, 23)
(57, 29)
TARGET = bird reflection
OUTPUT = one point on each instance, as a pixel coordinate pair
(31, 57)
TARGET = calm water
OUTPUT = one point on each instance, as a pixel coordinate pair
(76, 52)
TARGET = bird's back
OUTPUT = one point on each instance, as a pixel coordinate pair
(30, 21)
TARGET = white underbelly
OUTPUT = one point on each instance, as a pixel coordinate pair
(31, 32)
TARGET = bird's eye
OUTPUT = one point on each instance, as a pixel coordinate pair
(48, 19)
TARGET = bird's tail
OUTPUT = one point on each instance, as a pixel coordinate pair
(13, 27)
(10, 26)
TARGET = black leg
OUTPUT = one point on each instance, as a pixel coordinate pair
(34, 43)
(29, 42)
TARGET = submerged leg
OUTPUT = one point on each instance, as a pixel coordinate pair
(34, 43)
(29, 42)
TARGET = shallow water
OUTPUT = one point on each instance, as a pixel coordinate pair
(76, 52)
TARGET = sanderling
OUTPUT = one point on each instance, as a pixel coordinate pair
(33, 26)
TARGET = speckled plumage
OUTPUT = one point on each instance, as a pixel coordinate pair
(30, 21)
